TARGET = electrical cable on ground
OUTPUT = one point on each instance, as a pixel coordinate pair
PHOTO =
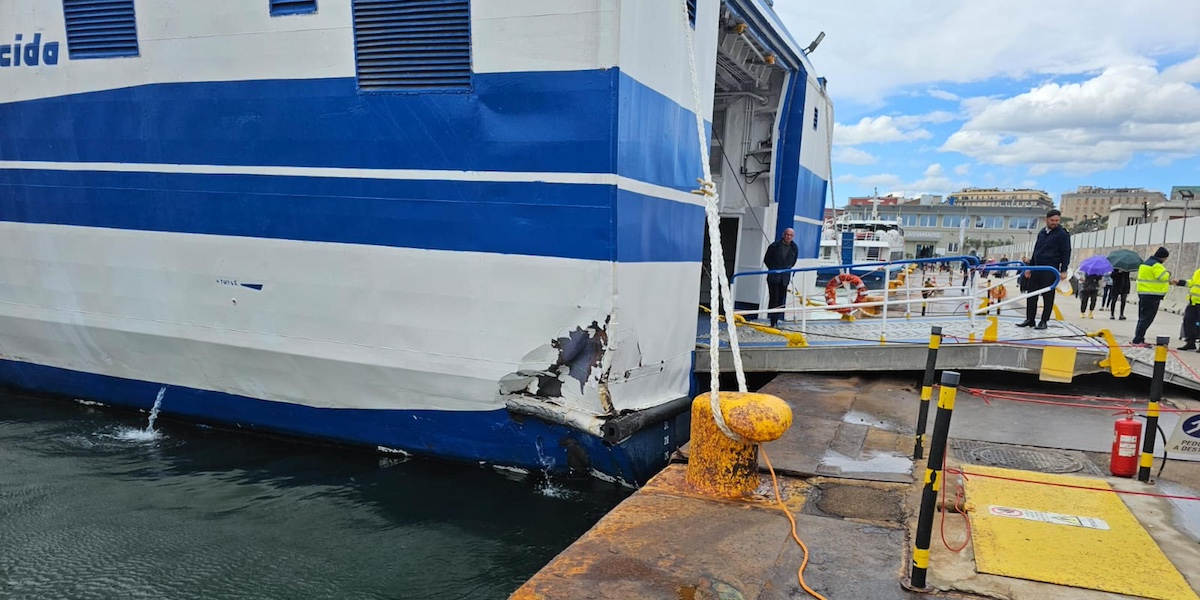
(959, 495)
(1077, 487)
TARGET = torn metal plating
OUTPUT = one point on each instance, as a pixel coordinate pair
(559, 393)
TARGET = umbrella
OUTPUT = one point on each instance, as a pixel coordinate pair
(1125, 260)
(1095, 265)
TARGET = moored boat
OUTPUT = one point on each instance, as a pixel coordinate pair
(442, 227)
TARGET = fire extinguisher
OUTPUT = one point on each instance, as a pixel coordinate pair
(1127, 440)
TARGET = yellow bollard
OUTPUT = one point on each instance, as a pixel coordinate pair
(720, 466)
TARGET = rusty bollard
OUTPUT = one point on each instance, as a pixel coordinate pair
(724, 467)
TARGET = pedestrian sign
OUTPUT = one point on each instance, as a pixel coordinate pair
(1185, 441)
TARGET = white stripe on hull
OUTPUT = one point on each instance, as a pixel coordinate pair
(335, 324)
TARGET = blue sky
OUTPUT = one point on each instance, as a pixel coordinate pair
(931, 96)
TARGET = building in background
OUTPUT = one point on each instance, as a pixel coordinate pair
(1021, 198)
(888, 200)
(1086, 202)
(953, 229)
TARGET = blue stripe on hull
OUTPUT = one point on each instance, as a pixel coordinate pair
(493, 437)
(530, 122)
(537, 219)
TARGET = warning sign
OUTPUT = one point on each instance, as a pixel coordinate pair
(1047, 517)
(1185, 441)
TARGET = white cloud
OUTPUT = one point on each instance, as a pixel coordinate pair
(875, 130)
(962, 169)
(944, 95)
(1185, 72)
(1096, 125)
(962, 42)
(934, 181)
(853, 156)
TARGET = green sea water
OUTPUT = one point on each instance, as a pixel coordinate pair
(94, 507)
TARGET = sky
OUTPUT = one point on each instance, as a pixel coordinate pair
(931, 96)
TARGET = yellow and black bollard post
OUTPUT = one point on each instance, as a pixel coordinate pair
(935, 340)
(1156, 390)
(933, 479)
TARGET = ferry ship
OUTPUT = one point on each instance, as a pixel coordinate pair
(851, 240)
(453, 228)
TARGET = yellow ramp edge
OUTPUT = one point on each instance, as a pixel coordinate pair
(1081, 538)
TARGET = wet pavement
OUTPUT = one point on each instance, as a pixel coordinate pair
(854, 490)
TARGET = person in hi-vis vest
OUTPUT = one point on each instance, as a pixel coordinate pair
(1153, 283)
(1191, 314)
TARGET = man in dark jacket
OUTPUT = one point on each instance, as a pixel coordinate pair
(780, 255)
(1120, 291)
(1052, 249)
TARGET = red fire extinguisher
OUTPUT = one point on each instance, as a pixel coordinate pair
(1127, 442)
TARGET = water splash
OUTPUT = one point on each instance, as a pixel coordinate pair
(154, 409)
(148, 434)
(546, 485)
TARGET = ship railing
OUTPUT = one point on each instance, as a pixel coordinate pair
(971, 296)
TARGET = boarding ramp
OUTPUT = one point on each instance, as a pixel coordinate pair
(882, 331)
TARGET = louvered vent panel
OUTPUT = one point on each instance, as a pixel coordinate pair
(100, 28)
(405, 45)
(281, 8)
(691, 8)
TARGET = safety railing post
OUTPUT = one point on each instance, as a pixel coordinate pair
(972, 305)
(933, 478)
(1156, 390)
(887, 291)
(908, 293)
(935, 341)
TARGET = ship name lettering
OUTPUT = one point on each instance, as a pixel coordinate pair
(31, 54)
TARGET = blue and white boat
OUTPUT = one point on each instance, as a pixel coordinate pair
(454, 228)
(850, 240)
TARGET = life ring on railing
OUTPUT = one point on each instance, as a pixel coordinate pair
(835, 283)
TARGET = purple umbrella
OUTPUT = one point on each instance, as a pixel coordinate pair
(1095, 265)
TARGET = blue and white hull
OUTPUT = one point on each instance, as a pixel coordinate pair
(494, 272)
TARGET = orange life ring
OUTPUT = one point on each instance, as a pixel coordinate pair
(835, 283)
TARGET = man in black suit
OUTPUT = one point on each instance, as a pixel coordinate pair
(1053, 249)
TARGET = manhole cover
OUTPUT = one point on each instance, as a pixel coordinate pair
(859, 502)
(1046, 461)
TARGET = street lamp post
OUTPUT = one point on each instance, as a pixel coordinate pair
(1187, 196)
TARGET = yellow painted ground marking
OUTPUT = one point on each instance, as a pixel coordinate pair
(1058, 364)
(1122, 559)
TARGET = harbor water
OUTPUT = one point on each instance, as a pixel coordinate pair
(98, 504)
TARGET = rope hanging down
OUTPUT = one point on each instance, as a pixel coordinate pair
(720, 295)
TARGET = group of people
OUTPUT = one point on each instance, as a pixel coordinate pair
(1115, 287)
(1154, 281)
(1052, 249)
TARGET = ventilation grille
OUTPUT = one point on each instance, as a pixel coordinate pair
(412, 45)
(691, 8)
(281, 8)
(100, 28)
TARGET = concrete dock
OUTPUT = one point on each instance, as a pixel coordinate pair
(847, 476)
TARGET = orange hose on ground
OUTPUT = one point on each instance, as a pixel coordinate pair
(792, 520)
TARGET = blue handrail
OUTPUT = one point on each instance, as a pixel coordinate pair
(972, 261)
